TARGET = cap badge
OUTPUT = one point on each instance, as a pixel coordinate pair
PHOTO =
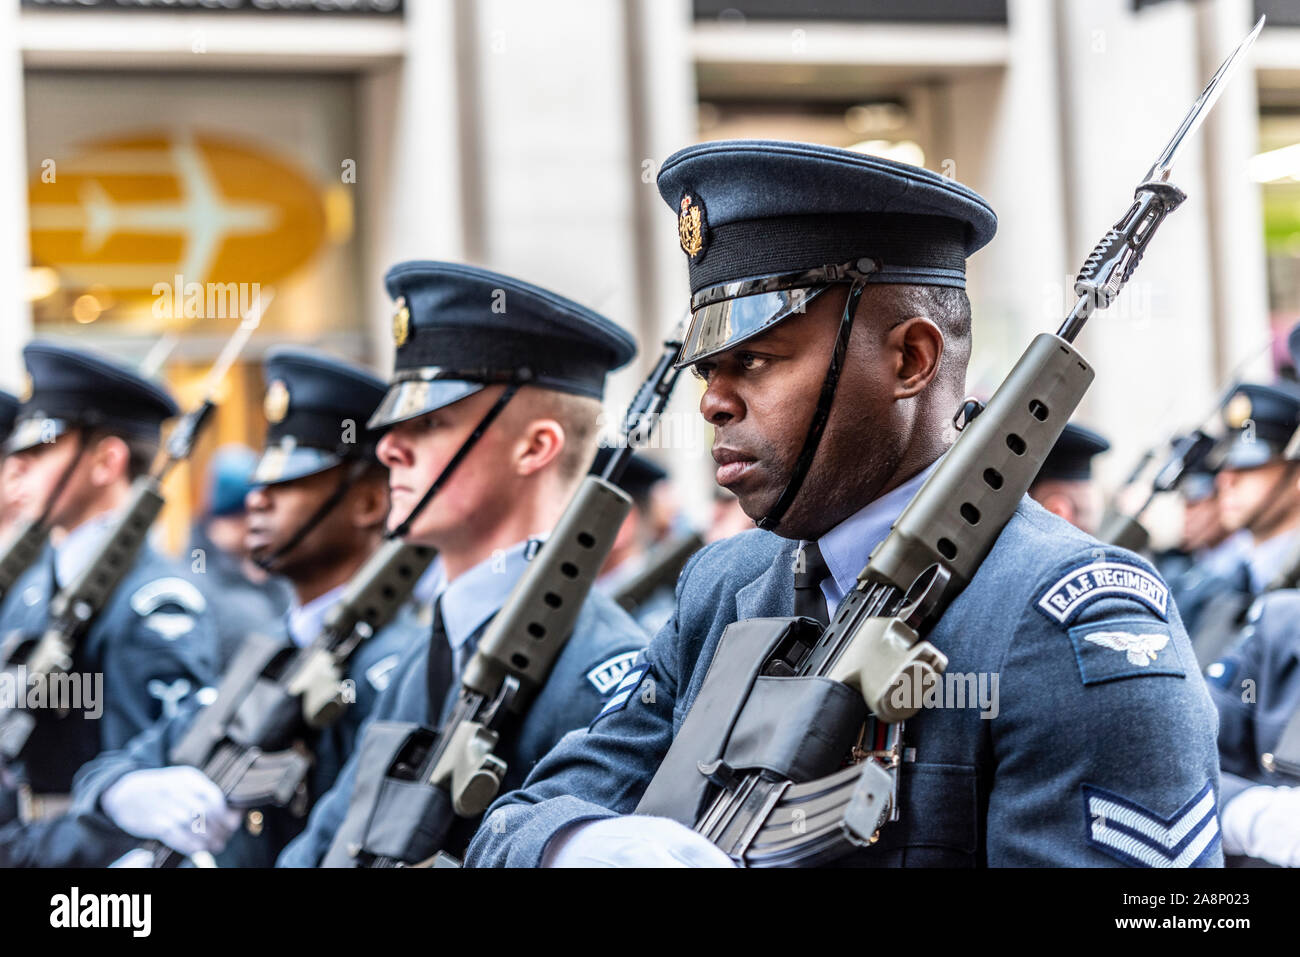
(276, 404)
(691, 226)
(1238, 411)
(401, 323)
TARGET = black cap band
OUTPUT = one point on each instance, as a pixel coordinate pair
(909, 248)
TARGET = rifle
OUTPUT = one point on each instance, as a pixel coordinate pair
(662, 567)
(774, 790)
(250, 740)
(76, 605)
(425, 781)
(22, 551)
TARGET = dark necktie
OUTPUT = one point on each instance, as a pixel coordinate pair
(809, 572)
(440, 667)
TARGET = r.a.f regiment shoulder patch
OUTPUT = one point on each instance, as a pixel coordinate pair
(1076, 590)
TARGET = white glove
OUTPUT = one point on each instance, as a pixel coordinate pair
(632, 841)
(136, 858)
(179, 806)
(1264, 822)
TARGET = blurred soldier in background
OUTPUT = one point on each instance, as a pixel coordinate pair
(318, 505)
(87, 430)
(728, 517)
(1257, 492)
(1256, 688)
(1208, 555)
(1064, 485)
(218, 559)
(1255, 684)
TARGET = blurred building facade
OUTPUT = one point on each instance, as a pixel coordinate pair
(306, 146)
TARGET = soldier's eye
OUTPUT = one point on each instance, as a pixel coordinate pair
(749, 362)
(702, 371)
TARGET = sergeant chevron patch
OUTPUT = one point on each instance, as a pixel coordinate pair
(623, 692)
(1078, 589)
(1130, 833)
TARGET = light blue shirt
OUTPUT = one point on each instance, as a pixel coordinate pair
(477, 595)
(307, 621)
(431, 583)
(73, 554)
(1267, 558)
(1227, 555)
(846, 547)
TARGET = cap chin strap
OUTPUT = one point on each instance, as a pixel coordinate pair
(821, 414)
(402, 530)
(351, 475)
(64, 478)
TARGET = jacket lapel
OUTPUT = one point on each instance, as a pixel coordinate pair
(771, 594)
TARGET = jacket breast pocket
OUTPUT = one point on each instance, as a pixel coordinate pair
(939, 818)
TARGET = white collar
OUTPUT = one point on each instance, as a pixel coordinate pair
(73, 554)
(479, 593)
(305, 622)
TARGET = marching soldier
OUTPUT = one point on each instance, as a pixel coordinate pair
(832, 331)
(1258, 491)
(1064, 484)
(316, 512)
(1256, 687)
(491, 425)
(88, 428)
(219, 563)
(1209, 559)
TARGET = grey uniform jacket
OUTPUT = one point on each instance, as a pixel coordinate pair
(1256, 687)
(153, 645)
(604, 640)
(1102, 749)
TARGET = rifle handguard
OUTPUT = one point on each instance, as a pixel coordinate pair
(21, 553)
(86, 595)
(963, 506)
(528, 634)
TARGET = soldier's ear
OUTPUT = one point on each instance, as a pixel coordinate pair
(1059, 504)
(370, 501)
(916, 347)
(540, 445)
(110, 461)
